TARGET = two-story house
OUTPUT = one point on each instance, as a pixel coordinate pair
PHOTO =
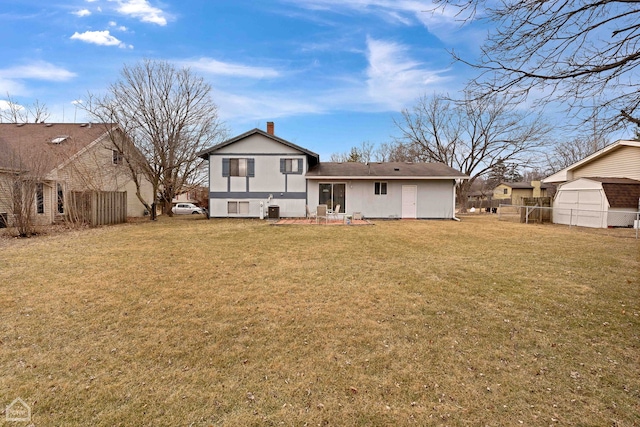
(63, 157)
(257, 171)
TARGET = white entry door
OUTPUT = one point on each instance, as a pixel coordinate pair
(409, 200)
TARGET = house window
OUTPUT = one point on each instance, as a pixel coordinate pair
(118, 157)
(238, 167)
(380, 188)
(60, 199)
(505, 191)
(291, 166)
(238, 208)
(39, 198)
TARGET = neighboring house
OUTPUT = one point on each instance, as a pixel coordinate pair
(618, 160)
(64, 157)
(594, 191)
(516, 191)
(257, 170)
(597, 202)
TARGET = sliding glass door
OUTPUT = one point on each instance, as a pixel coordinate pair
(332, 195)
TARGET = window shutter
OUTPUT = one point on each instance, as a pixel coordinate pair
(282, 165)
(251, 167)
(299, 172)
(225, 167)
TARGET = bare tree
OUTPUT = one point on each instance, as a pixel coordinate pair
(583, 54)
(16, 113)
(22, 188)
(472, 136)
(168, 115)
(361, 154)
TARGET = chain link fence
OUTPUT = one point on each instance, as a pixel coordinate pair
(626, 222)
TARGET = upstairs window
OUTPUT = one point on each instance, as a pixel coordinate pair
(238, 167)
(293, 166)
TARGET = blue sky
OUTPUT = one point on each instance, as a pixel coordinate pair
(330, 73)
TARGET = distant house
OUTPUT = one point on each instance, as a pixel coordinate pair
(514, 192)
(601, 190)
(257, 171)
(65, 157)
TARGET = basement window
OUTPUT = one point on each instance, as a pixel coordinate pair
(238, 208)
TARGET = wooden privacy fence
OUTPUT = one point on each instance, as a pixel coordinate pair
(97, 207)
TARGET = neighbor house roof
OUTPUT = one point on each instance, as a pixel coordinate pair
(384, 170)
(561, 175)
(44, 146)
(204, 154)
(621, 192)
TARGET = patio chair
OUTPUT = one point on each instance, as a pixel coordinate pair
(335, 213)
(321, 212)
(310, 215)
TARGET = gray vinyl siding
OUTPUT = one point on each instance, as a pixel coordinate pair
(287, 190)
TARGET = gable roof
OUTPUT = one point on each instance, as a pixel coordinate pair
(620, 192)
(44, 146)
(561, 175)
(384, 170)
(205, 153)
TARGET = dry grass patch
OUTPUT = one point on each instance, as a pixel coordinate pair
(196, 322)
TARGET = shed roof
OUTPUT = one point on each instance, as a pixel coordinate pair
(386, 170)
(621, 192)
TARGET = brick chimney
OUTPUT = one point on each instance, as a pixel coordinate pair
(270, 128)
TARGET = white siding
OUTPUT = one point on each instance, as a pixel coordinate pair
(582, 203)
(435, 198)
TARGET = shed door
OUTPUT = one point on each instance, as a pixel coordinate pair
(409, 199)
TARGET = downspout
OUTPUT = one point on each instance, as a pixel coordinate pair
(455, 182)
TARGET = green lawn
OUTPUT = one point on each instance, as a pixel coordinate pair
(193, 322)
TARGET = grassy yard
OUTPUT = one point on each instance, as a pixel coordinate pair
(189, 322)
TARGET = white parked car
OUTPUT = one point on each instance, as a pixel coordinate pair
(186, 209)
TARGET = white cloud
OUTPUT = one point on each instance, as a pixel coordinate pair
(82, 12)
(393, 78)
(405, 12)
(102, 38)
(6, 105)
(114, 24)
(142, 10)
(212, 66)
(39, 70)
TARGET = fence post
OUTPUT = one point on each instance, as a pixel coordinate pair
(570, 217)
